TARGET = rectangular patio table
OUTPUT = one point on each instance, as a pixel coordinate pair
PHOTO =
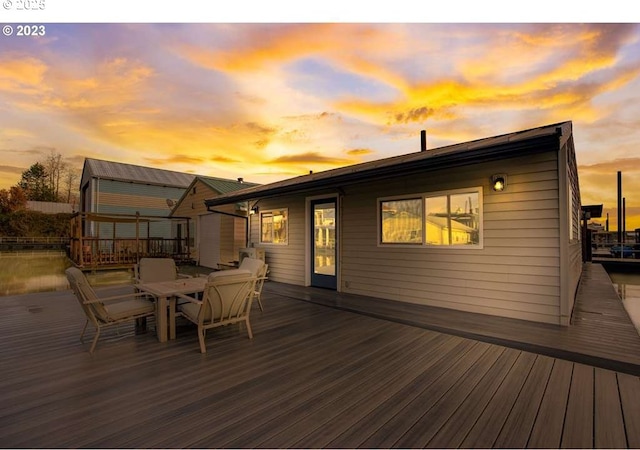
(165, 293)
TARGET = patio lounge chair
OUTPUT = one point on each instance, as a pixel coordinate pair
(106, 311)
(226, 300)
(259, 269)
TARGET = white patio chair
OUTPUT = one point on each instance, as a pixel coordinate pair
(106, 311)
(259, 269)
(226, 300)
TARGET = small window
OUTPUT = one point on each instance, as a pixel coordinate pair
(274, 227)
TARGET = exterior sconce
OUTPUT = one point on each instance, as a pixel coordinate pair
(254, 210)
(499, 182)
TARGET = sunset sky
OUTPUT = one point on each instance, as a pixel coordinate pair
(271, 101)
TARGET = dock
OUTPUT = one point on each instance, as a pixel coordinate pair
(323, 371)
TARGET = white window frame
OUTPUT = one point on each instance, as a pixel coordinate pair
(272, 211)
(424, 196)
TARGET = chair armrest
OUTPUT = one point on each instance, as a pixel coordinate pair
(118, 297)
(184, 275)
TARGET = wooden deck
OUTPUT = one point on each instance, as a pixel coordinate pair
(313, 376)
(601, 333)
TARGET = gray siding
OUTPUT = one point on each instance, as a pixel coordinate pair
(516, 274)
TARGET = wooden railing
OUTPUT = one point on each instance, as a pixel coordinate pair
(98, 252)
(33, 243)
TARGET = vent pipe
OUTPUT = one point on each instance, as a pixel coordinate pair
(423, 140)
(240, 180)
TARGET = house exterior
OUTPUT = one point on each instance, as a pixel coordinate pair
(108, 187)
(429, 228)
(216, 237)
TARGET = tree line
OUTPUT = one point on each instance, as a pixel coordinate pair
(53, 180)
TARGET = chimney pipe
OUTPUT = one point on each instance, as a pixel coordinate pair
(240, 180)
(423, 140)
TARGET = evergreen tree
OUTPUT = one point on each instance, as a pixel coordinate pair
(35, 183)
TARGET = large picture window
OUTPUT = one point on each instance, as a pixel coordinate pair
(447, 219)
(274, 227)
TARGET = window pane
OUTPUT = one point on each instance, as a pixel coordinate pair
(402, 221)
(465, 226)
(437, 229)
(280, 227)
(455, 224)
(273, 227)
(266, 227)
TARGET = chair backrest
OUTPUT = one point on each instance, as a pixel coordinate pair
(262, 276)
(227, 296)
(259, 269)
(85, 294)
(253, 265)
(150, 270)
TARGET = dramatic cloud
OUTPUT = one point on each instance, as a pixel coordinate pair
(268, 101)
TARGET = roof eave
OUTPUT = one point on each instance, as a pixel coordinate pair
(533, 145)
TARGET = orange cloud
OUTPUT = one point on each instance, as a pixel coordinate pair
(359, 152)
(21, 74)
(310, 158)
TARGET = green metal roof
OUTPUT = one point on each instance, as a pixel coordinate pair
(223, 185)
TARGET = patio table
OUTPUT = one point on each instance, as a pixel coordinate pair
(165, 293)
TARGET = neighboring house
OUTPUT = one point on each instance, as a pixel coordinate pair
(109, 187)
(216, 237)
(429, 228)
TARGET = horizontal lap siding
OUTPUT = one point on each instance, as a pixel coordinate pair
(516, 274)
(286, 262)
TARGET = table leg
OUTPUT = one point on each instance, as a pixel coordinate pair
(161, 318)
(172, 318)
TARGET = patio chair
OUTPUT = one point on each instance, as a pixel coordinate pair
(106, 311)
(259, 269)
(226, 300)
(150, 270)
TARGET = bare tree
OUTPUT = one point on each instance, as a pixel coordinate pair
(54, 166)
(70, 180)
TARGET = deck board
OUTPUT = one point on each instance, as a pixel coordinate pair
(453, 432)
(547, 432)
(609, 431)
(517, 428)
(312, 377)
(432, 420)
(578, 426)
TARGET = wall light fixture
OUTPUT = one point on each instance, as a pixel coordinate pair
(499, 182)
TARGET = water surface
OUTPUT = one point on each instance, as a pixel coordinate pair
(23, 272)
(628, 287)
